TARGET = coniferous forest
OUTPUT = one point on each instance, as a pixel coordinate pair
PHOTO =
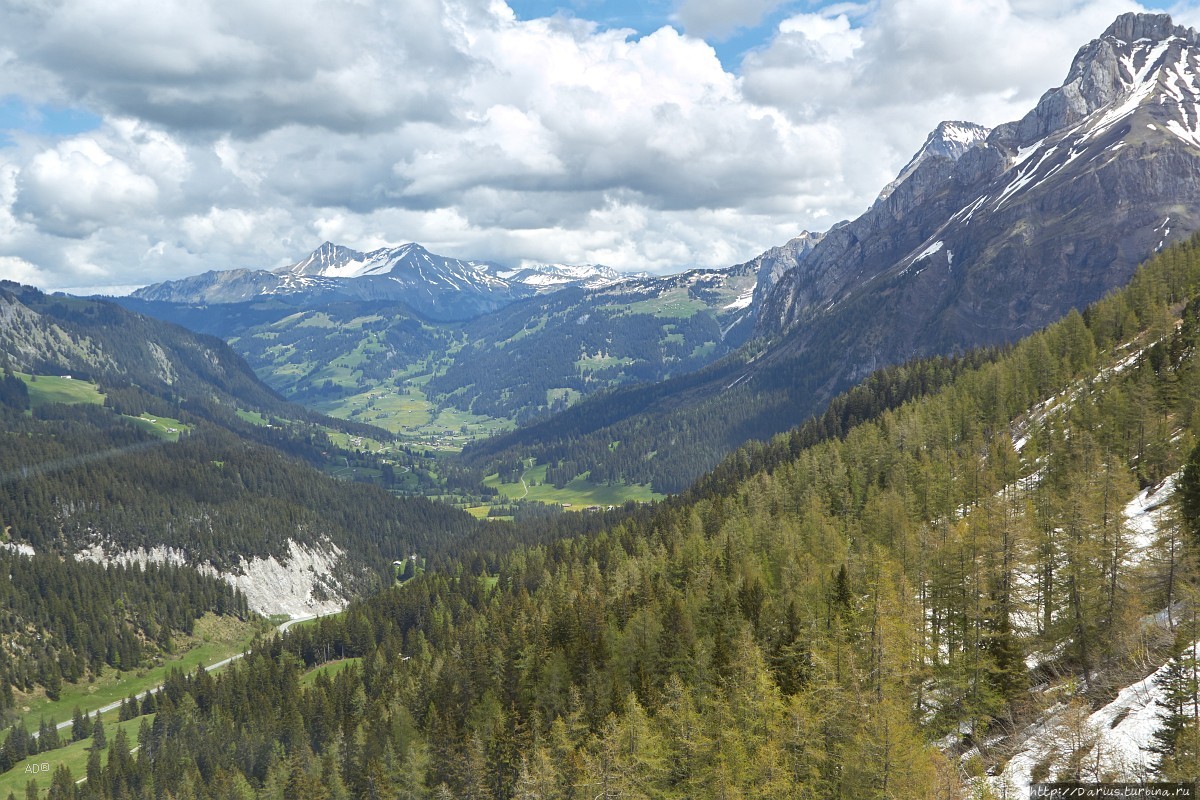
(872, 612)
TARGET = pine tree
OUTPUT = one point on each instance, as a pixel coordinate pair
(99, 738)
(81, 725)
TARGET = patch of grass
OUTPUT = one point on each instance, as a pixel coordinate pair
(46, 389)
(316, 319)
(74, 755)
(383, 407)
(253, 417)
(213, 639)
(590, 363)
(359, 322)
(526, 331)
(571, 396)
(162, 427)
(330, 668)
(703, 350)
(577, 495)
(673, 304)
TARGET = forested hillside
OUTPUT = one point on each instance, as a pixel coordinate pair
(95, 617)
(170, 449)
(77, 476)
(878, 615)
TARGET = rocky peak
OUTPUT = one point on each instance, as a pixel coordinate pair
(950, 139)
(327, 256)
(1132, 27)
(1126, 56)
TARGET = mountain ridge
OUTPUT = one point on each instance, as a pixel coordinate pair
(974, 247)
(439, 287)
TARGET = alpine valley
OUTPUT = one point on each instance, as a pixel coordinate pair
(925, 516)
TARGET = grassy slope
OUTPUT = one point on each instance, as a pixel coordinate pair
(41, 767)
(46, 389)
(214, 639)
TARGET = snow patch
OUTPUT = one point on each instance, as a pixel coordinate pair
(1145, 515)
(936, 247)
(743, 301)
(19, 548)
(1123, 731)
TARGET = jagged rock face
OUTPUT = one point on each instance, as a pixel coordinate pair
(949, 140)
(1045, 214)
(774, 263)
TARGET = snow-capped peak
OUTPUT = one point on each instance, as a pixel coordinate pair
(950, 139)
(543, 277)
(328, 260)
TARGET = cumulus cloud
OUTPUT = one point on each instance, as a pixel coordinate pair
(77, 187)
(243, 134)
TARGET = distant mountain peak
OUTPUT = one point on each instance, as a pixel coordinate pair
(327, 257)
(546, 277)
(950, 139)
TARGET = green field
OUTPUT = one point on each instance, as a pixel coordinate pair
(577, 495)
(413, 418)
(330, 668)
(46, 389)
(675, 304)
(41, 767)
(526, 331)
(590, 363)
(162, 427)
(213, 639)
(253, 417)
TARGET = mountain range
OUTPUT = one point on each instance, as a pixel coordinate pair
(438, 287)
(984, 237)
(442, 382)
(974, 572)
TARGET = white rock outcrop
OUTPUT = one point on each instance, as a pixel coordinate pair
(304, 586)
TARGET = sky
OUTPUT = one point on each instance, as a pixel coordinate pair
(143, 141)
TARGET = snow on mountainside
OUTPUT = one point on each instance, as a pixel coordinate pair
(1037, 216)
(551, 277)
(950, 140)
(406, 261)
(437, 286)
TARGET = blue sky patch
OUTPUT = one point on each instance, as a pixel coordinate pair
(647, 17)
(18, 115)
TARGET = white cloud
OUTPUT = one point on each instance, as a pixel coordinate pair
(269, 126)
(76, 187)
(832, 38)
(15, 268)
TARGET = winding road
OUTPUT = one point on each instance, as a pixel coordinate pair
(283, 626)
